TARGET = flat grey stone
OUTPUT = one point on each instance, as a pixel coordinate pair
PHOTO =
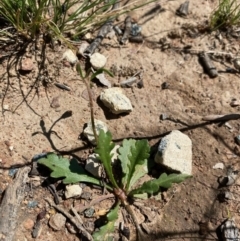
(116, 101)
(103, 80)
(175, 152)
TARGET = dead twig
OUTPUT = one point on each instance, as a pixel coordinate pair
(207, 64)
(226, 117)
(104, 30)
(128, 26)
(91, 109)
(80, 221)
(53, 191)
(81, 208)
(72, 219)
(10, 204)
(38, 224)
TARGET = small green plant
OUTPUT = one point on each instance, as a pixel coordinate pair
(133, 157)
(227, 14)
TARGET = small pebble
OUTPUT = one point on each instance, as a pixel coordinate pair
(88, 36)
(86, 195)
(103, 80)
(237, 139)
(89, 212)
(236, 63)
(136, 29)
(165, 85)
(228, 125)
(73, 191)
(116, 101)
(219, 165)
(234, 103)
(55, 102)
(70, 56)
(6, 107)
(28, 224)
(32, 204)
(98, 60)
(26, 65)
(163, 116)
(82, 48)
(88, 131)
(229, 196)
(57, 221)
(12, 172)
(93, 165)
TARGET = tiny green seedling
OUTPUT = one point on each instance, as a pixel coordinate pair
(133, 157)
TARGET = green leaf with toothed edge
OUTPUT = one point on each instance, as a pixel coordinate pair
(69, 169)
(165, 181)
(133, 156)
(103, 149)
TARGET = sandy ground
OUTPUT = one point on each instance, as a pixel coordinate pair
(190, 95)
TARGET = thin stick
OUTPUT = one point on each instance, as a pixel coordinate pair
(140, 234)
(91, 110)
(72, 219)
(80, 221)
(93, 202)
(226, 117)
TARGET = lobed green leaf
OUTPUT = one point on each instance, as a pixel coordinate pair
(133, 156)
(165, 181)
(71, 170)
(103, 149)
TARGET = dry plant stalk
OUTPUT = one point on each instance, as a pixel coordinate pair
(91, 110)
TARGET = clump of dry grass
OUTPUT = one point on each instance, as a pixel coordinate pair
(56, 18)
(227, 14)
